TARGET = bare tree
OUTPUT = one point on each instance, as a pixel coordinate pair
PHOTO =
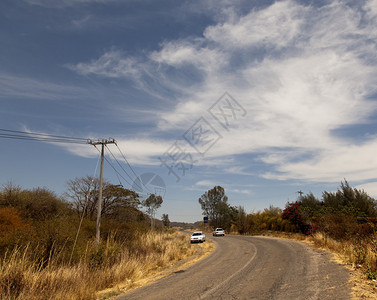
(83, 193)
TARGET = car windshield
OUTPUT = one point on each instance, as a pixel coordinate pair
(196, 233)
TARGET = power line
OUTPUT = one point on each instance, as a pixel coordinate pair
(124, 170)
(116, 171)
(120, 182)
(112, 166)
(43, 134)
(42, 137)
(136, 182)
(126, 160)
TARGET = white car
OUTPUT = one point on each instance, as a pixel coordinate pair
(218, 232)
(198, 237)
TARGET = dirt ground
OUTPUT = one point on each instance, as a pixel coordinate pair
(362, 287)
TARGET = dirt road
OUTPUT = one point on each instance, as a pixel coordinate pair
(254, 268)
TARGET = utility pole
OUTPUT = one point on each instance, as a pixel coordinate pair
(99, 204)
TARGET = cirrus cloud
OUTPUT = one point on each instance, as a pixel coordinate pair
(301, 72)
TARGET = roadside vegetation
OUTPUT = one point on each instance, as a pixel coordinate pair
(48, 248)
(344, 222)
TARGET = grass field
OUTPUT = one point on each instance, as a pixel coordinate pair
(24, 277)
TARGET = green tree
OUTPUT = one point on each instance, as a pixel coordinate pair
(152, 203)
(115, 197)
(37, 204)
(310, 206)
(165, 220)
(242, 223)
(215, 206)
(350, 201)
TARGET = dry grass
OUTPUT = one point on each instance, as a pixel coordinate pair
(360, 257)
(22, 277)
(360, 254)
(201, 251)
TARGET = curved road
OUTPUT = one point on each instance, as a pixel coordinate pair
(244, 267)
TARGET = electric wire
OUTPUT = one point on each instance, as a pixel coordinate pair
(120, 182)
(126, 160)
(111, 165)
(43, 134)
(42, 137)
(124, 170)
(137, 176)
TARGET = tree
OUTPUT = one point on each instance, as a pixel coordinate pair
(83, 192)
(293, 214)
(165, 220)
(38, 204)
(215, 206)
(115, 197)
(152, 203)
(310, 206)
(10, 195)
(350, 201)
(241, 222)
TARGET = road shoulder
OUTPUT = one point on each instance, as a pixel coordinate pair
(362, 288)
(202, 251)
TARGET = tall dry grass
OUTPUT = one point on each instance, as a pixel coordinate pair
(22, 276)
(360, 253)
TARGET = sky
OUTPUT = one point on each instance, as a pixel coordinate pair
(264, 98)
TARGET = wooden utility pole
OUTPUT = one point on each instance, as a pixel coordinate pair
(99, 203)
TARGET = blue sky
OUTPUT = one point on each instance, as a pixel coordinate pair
(264, 98)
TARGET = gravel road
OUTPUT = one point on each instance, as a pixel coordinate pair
(244, 267)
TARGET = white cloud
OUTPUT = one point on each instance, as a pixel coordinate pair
(350, 161)
(229, 188)
(299, 71)
(80, 23)
(276, 27)
(181, 53)
(112, 64)
(371, 9)
(370, 188)
(239, 170)
(238, 191)
(206, 183)
(138, 151)
(64, 3)
(25, 87)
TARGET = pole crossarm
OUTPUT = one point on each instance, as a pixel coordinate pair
(102, 142)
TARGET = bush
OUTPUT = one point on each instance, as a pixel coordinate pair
(13, 229)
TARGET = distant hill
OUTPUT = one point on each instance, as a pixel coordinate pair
(185, 225)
